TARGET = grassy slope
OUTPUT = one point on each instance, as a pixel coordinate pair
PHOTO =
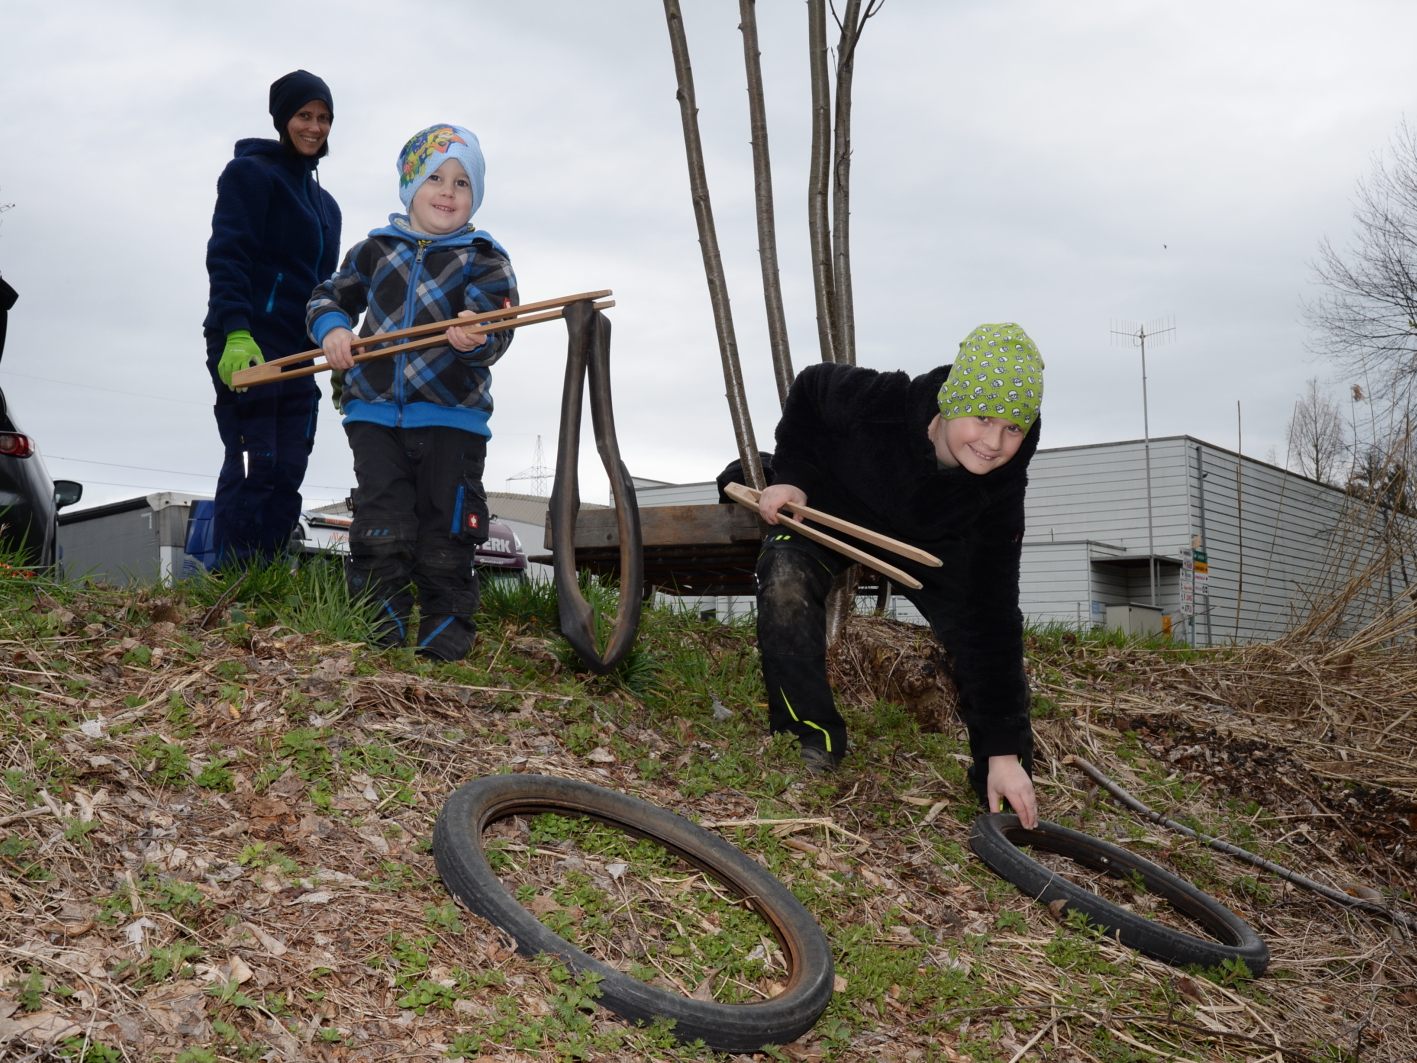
(215, 813)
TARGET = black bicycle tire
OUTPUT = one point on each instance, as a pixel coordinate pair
(463, 865)
(995, 839)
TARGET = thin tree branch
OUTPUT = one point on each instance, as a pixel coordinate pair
(762, 193)
(708, 243)
(819, 182)
(1337, 896)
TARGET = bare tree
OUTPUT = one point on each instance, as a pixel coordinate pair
(1366, 319)
(1318, 441)
(849, 25)
(819, 181)
(829, 179)
(762, 191)
(713, 260)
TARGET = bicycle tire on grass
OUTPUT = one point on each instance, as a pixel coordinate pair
(463, 865)
(996, 839)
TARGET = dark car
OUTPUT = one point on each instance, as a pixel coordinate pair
(29, 500)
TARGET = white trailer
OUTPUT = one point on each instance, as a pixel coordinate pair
(136, 541)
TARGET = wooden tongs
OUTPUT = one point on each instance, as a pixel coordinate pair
(748, 496)
(419, 336)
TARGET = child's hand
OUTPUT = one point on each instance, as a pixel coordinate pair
(1009, 782)
(775, 497)
(338, 352)
(466, 338)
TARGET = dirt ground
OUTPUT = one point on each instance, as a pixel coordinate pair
(1304, 735)
(257, 920)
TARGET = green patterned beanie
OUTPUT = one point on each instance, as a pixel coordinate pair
(999, 373)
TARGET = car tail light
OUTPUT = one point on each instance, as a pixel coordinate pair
(15, 445)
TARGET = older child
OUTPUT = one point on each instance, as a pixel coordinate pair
(941, 462)
(417, 422)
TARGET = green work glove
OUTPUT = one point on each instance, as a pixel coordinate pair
(239, 353)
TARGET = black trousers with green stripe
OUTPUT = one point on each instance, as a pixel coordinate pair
(794, 576)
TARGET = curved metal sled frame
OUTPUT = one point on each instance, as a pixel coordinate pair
(588, 356)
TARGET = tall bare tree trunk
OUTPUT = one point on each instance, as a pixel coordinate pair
(819, 181)
(762, 192)
(850, 24)
(713, 260)
(835, 279)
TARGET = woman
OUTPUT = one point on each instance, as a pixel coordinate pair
(275, 235)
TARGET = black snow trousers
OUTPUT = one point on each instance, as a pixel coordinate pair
(794, 577)
(419, 514)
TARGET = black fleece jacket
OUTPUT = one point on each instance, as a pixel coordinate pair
(854, 440)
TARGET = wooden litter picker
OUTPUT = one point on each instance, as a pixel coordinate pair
(417, 337)
(748, 497)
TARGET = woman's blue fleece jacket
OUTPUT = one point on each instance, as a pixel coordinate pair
(275, 235)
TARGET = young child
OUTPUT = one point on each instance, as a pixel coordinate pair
(941, 462)
(417, 422)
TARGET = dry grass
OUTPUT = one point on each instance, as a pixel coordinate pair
(288, 908)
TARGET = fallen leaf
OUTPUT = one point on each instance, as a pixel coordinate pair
(1188, 988)
(40, 1026)
(137, 930)
(273, 946)
(237, 971)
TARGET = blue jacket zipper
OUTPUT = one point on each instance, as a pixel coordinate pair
(409, 309)
(275, 286)
(312, 195)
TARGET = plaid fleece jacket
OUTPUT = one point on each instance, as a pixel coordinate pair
(397, 278)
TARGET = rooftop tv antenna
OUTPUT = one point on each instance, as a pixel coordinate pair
(537, 473)
(1136, 334)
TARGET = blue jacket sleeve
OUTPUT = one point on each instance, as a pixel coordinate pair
(492, 286)
(340, 300)
(243, 191)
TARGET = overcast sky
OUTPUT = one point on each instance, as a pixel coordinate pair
(1070, 166)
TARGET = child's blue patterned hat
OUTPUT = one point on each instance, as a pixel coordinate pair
(999, 373)
(428, 149)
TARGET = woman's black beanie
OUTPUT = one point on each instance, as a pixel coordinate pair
(290, 92)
